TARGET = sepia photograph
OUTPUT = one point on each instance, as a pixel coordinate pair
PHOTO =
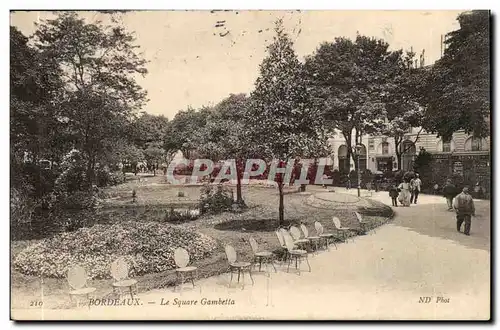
(234, 164)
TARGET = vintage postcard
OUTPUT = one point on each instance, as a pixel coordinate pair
(250, 164)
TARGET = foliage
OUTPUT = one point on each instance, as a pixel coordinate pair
(348, 82)
(104, 177)
(456, 91)
(215, 199)
(226, 136)
(35, 96)
(283, 121)
(147, 246)
(182, 131)
(100, 65)
(177, 216)
(22, 206)
(401, 100)
(73, 176)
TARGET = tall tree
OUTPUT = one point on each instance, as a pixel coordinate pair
(100, 65)
(348, 83)
(456, 92)
(36, 126)
(183, 128)
(282, 119)
(401, 101)
(225, 136)
(148, 134)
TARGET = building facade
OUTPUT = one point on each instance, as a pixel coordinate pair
(462, 152)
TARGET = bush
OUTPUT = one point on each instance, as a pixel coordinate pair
(147, 246)
(180, 194)
(184, 215)
(216, 199)
(78, 200)
(104, 177)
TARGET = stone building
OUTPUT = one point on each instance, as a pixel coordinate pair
(463, 155)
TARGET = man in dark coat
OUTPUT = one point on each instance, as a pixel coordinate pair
(464, 206)
(449, 191)
(394, 192)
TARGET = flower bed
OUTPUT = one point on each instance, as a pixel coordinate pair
(147, 246)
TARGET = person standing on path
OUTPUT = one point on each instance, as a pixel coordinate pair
(415, 189)
(404, 195)
(449, 191)
(464, 206)
(394, 192)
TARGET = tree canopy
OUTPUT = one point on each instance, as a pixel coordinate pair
(456, 91)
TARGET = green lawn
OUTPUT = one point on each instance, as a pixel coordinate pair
(226, 228)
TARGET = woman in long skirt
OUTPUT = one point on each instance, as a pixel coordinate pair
(404, 195)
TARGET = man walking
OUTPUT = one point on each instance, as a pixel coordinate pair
(449, 191)
(464, 206)
(415, 188)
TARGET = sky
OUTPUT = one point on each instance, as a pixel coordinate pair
(193, 62)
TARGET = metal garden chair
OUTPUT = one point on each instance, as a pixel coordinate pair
(362, 223)
(239, 266)
(297, 254)
(320, 231)
(311, 239)
(343, 230)
(183, 271)
(266, 257)
(297, 240)
(77, 280)
(119, 272)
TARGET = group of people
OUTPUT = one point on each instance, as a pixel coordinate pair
(463, 204)
(407, 192)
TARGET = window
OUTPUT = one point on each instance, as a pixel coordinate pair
(371, 144)
(446, 145)
(385, 148)
(476, 144)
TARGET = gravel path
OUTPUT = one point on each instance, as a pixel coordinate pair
(382, 275)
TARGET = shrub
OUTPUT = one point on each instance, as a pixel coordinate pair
(104, 177)
(74, 175)
(180, 194)
(216, 199)
(78, 200)
(183, 215)
(147, 246)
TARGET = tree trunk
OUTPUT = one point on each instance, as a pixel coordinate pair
(281, 218)
(397, 142)
(239, 196)
(348, 140)
(90, 172)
